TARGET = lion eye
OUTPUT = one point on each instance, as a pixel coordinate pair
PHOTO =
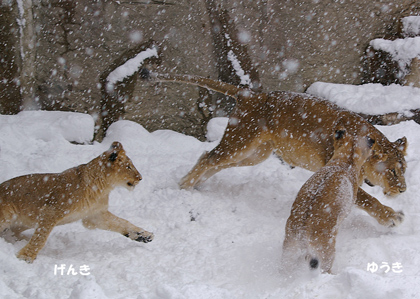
(393, 172)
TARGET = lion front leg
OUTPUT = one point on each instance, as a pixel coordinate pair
(383, 214)
(108, 221)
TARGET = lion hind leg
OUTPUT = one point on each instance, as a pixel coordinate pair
(37, 242)
(6, 217)
(260, 154)
(218, 159)
(111, 222)
(197, 173)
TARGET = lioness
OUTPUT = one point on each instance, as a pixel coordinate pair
(324, 201)
(299, 128)
(42, 201)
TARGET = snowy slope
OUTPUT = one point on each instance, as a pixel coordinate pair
(220, 241)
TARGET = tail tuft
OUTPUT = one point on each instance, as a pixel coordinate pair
(313, 263)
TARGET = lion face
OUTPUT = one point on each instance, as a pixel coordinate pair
(387, 168)
(124, 172)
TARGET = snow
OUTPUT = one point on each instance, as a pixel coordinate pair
(215, 128)
(369, 98)
(22, 23)
(236, 64)
(403, 49)
(222, 240)
(245, 79)
(131, 66)
(411, 25)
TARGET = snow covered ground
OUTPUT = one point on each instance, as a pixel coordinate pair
(220, 241)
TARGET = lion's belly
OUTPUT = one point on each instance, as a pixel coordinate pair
(302, 130)
(302, 156)
(301, 151)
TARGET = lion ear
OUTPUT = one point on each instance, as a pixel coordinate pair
(116, 146)
(402, 144)
(339, 134)
(370, 142)
(113, 156)
(114, 151)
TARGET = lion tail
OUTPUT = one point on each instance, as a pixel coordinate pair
(313, 263)
(218, 86)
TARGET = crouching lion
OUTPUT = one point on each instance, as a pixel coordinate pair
(299, 128)
(42, 201)
(324, 201)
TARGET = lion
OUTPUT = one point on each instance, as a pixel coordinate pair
(299, 128)
(43, 201)
(324, 201)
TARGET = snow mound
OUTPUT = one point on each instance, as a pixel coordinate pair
(369, 98)
(216, 128)
(50, 125)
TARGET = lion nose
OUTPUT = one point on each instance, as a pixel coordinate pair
(139, 177)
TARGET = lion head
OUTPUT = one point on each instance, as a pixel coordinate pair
(386, 167)
(120, 167)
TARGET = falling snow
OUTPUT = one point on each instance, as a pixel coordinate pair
(223, 240)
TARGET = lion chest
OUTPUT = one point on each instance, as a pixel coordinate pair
(60, 198)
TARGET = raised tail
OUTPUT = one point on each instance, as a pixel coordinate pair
(218, 86)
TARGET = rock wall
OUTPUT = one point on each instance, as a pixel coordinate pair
(284, 45)
(10, 97)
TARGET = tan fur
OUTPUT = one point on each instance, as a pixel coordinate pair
(324, 201)
(42, 201)
(299, 129)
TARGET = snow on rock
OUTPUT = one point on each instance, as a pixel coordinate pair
(411, 25)
(402, 50)
(369, 98)
(236, 64)
(222, 240)
(245, 79)
(131, 66)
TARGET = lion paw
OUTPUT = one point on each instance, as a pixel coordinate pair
(144, 236)
(396, 219)
(26, 256)
(186, 184)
